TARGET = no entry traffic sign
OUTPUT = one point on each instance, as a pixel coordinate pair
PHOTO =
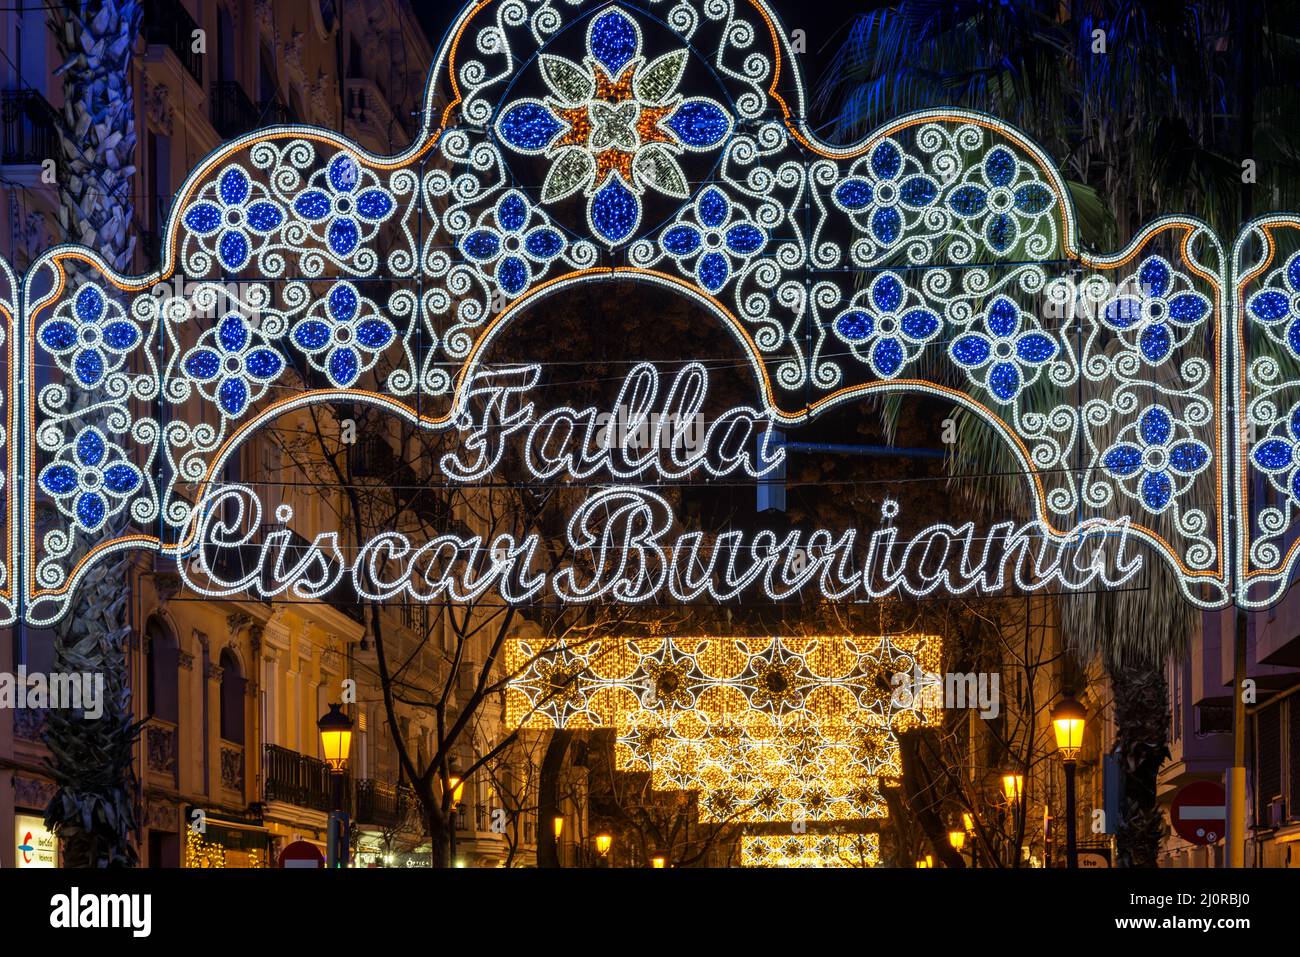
(1198, 813)
(302, 854)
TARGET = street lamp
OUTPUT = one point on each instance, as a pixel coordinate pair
(603, 844)
(558, 823)
(336, 743)
(659, 862)
(1013, 785)
(457, 787)
(1068, 718)
(968, 825)
(957, 839)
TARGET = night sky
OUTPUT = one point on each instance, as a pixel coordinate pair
(824, 22)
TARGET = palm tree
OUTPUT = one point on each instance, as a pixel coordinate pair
(93, 811)
(1150, 108)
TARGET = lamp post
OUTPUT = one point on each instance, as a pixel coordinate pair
(1067, 721)
(603, 844)
(336, 743)
(968, 825)
(1013, 785)
(457, 787)
(557, 823)
(659, 862)
(957, 839)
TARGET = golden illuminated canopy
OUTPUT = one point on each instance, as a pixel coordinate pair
(765, 729)
(809, 850)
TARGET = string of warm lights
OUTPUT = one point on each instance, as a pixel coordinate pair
(810, 850)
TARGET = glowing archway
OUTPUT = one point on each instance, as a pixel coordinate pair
(662, 141)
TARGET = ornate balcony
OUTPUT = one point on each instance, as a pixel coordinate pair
(383, 804)
(234, 114)
(161, 748)
(297, 779)
(167, 23)
(30, 129)
(232, 767)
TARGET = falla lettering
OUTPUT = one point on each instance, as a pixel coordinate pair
(642, 435)
(625, 538)
(621, 537)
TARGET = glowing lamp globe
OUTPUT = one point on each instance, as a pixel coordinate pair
(335, 737)
(957, 839)
(603, 843)
(1013, 785)
(1068, 719)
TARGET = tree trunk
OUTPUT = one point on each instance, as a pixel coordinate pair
(1142, 742)
(439, 834)
(94, 810)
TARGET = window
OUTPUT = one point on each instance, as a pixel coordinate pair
(161, 676)
(225, 46)
(268, 87)
(1268, 759)
(160, 184)
(232, 698)
(34, 648)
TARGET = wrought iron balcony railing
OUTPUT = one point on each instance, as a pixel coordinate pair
(298, 779)
(30, 129)
(167, 23)
(383, 804)
(233, 113)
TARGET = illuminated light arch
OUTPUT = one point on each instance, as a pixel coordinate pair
(961, 227)
(761, 728)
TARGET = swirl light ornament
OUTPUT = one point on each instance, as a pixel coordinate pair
(663, 142)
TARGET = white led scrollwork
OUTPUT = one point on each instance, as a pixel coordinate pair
(660, 141)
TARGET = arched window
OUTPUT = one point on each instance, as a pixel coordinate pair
(162, 677)
(232, 698)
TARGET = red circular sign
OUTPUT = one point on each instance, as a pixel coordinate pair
(302, 854)
(1199, 812)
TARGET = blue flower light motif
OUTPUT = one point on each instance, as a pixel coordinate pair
(891, 334)
(91, 338)
(510, 249)
(1272, 306)
(613, 126)
(1160, 465)
(1152, 309)
(235, 369)
(994, 197)
(1279, 456)
(719, 237)
(884, 191)
(91, 479)
(1013, 358)
(347, 342)
(234, 217)
(347, 203)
